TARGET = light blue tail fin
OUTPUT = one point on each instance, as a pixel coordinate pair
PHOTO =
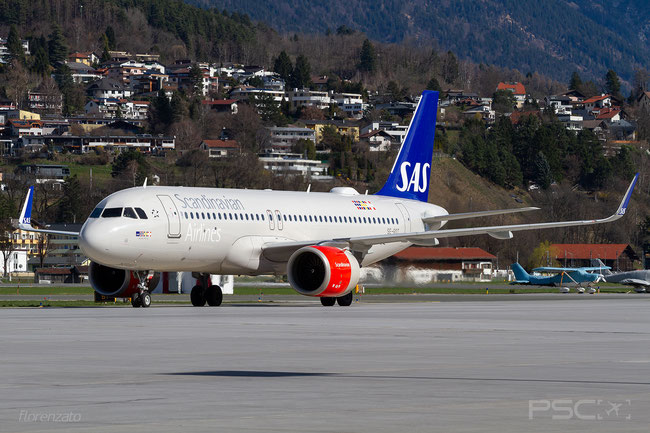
(409, 177)
(520, 273)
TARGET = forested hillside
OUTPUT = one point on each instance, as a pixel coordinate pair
(553, 37)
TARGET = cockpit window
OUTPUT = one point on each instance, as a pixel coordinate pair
(96, 212)
(112, 212)
(141, 213)
(130, 213)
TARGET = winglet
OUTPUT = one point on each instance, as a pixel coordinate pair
(25, 220)
(628, 195)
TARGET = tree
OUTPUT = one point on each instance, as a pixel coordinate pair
(41, 64)
(301, 74)
(575, 83)
(7, 246)
(196, 78)
(367, 58)
(433, 84)
(69, 208)
(450, 68)
(131, 163)
(613, 84)
(57, 47)
(15, 46)
(110, 37)
(106, 55)
(503, 101)
(305, 147)
(283, 66)
(543, 176)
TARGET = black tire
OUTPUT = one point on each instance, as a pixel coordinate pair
(135, 300)
(327, 301)
(197, 297)
(214, 296)
(345, 300)
(145, 299)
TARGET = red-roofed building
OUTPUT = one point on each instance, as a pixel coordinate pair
(428, 264)
(220, 148)
(517, 89)
(222, 105)
(516, 116)
(18, 127)
(600, 101)
(611, 114)
(617, 256)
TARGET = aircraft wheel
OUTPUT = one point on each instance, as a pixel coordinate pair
(197, 297)
(327, 301)
(345, 300)
(214, 296)
(145, 299)
(135, 300)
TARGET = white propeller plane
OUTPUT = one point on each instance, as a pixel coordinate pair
(320, 240)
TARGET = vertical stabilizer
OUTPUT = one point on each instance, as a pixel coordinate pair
(409, 177)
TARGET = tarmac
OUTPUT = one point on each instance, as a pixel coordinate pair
(524, 364)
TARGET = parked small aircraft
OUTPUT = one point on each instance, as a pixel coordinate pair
(562, 277)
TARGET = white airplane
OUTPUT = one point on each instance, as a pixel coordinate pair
(319, 240)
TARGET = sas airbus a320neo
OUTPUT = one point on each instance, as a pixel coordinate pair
(319, 240)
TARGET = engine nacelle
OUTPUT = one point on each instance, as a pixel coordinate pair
(117, 283)
(323, 271)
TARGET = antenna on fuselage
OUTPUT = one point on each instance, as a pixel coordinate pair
(309, 188)
(144, 185)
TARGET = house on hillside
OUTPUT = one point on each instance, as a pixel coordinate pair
(596, 102)
(220, 148)
(108, 88)
(222, 105)
(377, 140)
(517, 89)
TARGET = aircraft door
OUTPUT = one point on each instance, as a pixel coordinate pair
(269, 215)
(173, 216)
(278, 217)
(405, 216)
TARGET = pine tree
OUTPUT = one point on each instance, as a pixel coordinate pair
(41, 64)
(612, 83)
(15, 46)
(106, 55)
(57, 48)
(110, 37)
(368, 58)
(433, 84)
(283, 66)
(301, 74)
(575, 82)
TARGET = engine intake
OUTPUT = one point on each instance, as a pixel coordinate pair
(323, 271)
(116, 282)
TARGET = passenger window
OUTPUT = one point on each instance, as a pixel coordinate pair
(186, 216)
(246, 217)
(262, 217)
(229, 216)
(96, 212)
(112, 212)
(202, 216)
(130, 213)
(208, 214)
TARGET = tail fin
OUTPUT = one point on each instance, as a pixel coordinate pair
(520, 273)
(409, 177)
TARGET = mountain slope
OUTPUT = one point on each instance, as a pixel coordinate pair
(554, 37)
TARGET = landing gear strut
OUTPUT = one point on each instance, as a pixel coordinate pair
(206, 292)
(142, 298)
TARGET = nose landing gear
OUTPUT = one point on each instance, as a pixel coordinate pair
(146, 281)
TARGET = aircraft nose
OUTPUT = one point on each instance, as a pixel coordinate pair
(94, 241)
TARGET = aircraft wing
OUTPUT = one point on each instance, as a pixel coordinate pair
(635, 282)
(25, 220)
(364, 243)
(466, 215)
(553, 269)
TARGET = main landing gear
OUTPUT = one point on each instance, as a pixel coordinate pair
(205, 292)
(143, 297)
(343, 301)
